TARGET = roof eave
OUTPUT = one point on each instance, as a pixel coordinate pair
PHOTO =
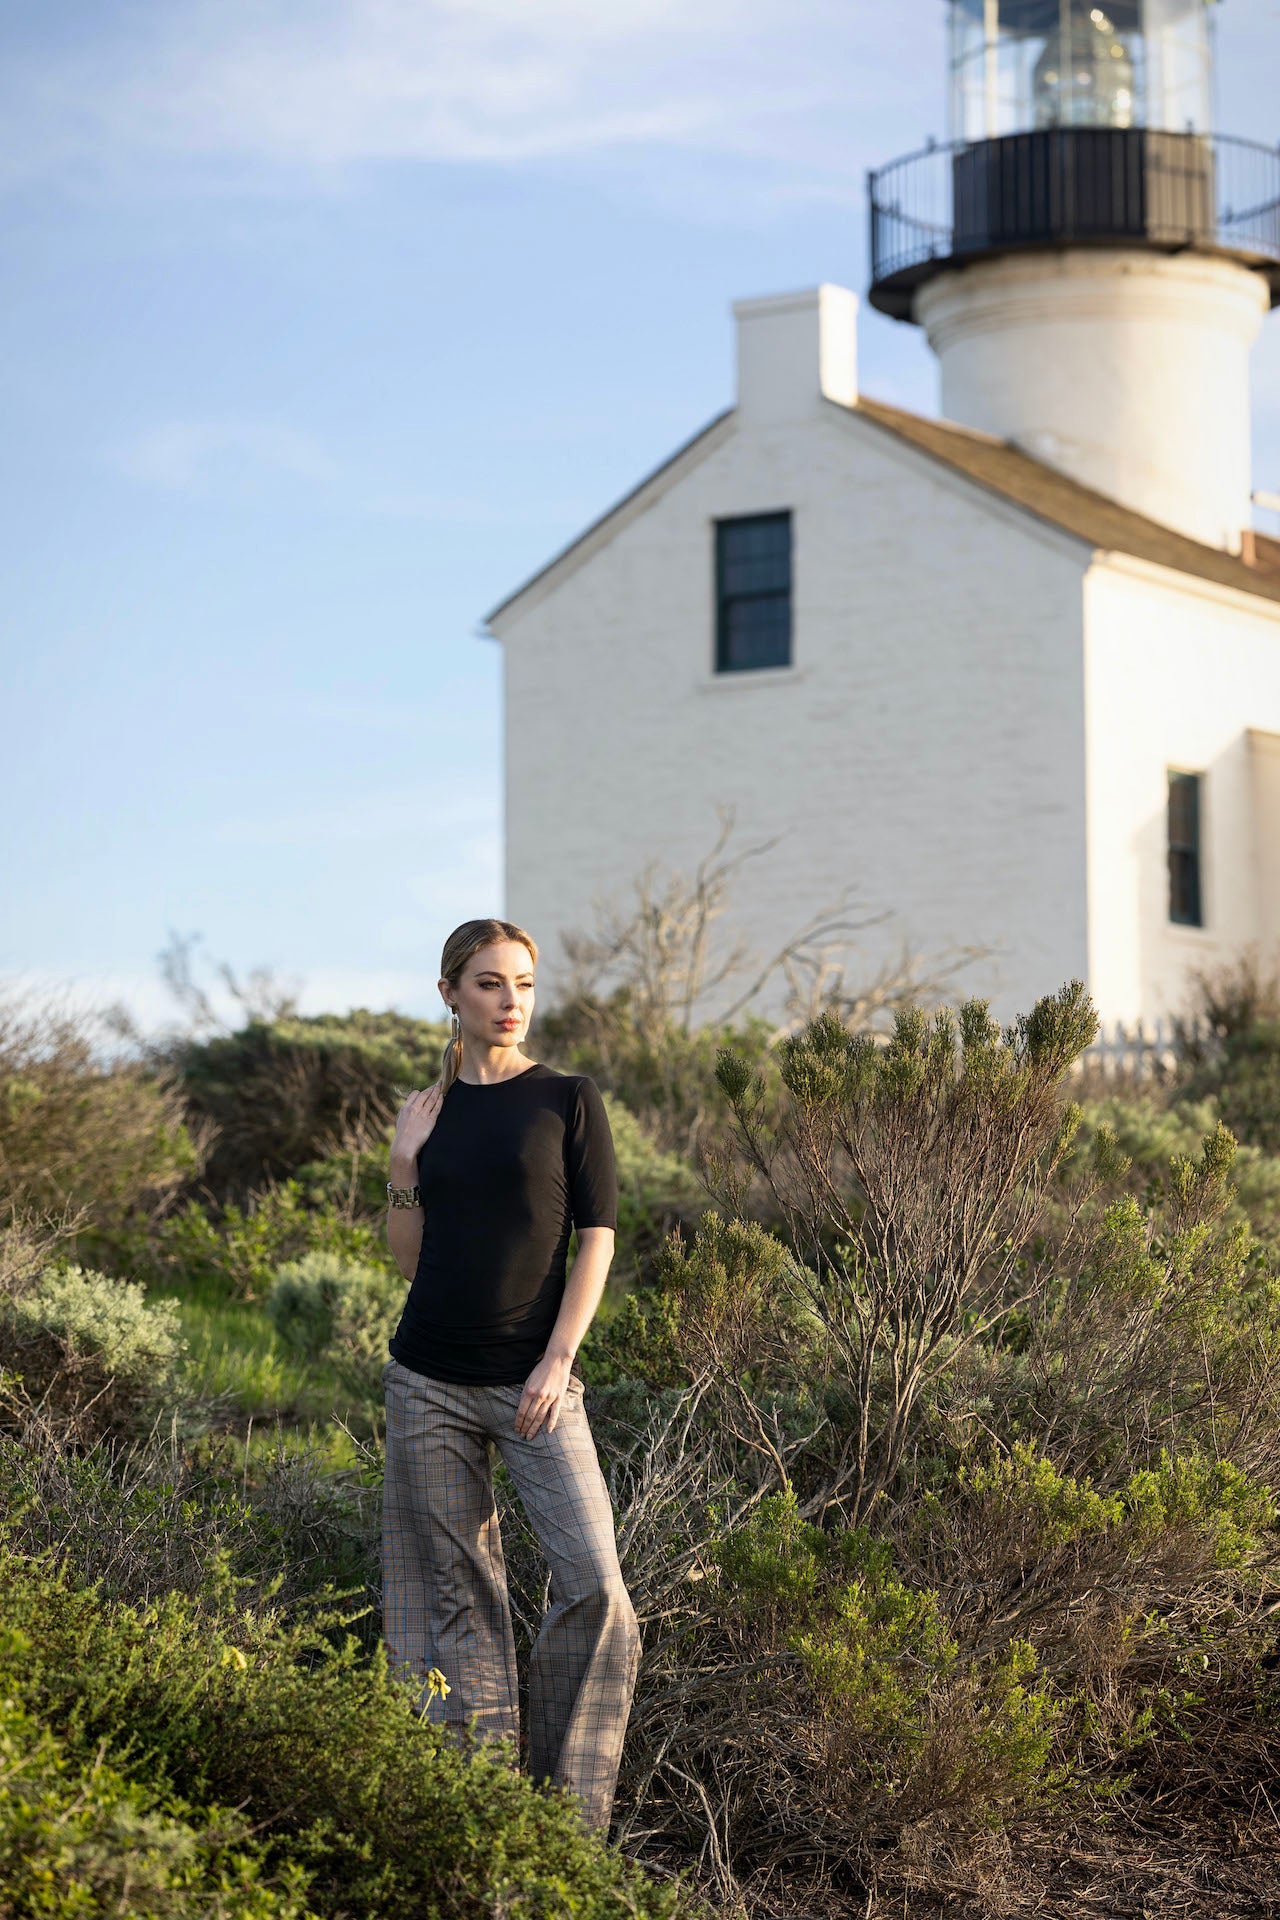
(1148, 541)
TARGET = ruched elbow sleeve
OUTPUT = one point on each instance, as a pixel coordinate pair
(593, 1174)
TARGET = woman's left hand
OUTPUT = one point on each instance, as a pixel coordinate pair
(543, 1392)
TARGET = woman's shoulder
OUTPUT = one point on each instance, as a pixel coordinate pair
(570, 1087)
(567, 1077)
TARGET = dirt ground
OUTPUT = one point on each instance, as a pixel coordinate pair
(1156, 1870)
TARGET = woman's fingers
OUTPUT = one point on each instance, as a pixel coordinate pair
(421, 1100)
(417, 1118)
(533, 1409)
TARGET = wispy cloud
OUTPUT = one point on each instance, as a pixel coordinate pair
(323, 85)
(257, 91)
(183, 455)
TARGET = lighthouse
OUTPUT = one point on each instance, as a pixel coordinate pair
(1011, 671)
(1089, 259)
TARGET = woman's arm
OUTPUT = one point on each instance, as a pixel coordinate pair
(404, 1226)
(414, 1123)
(583, 1286)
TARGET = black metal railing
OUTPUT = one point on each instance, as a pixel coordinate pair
(1071, 186)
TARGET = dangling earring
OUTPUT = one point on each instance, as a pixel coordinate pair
(456, 1034)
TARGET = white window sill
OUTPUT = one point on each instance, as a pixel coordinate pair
(748, 677)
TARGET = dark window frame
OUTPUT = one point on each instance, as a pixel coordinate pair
(1185, 842)
(727, 598)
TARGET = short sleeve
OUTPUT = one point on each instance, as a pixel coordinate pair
(593, 1174)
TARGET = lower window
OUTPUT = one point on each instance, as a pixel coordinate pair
(1186, 904)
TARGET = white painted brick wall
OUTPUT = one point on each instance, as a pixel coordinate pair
(1176, 674)
(928, 746)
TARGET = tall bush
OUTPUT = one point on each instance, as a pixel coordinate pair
(101, 1142)
(287, 1092)
(1164, 1330)
(912, 1177)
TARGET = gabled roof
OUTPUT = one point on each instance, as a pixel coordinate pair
(1093, 517)
(997, 465)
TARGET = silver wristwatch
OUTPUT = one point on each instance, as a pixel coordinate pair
(404, 1196)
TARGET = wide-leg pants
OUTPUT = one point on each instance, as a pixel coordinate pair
(445, 1600)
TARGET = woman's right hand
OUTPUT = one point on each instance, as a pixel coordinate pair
(414, 1124)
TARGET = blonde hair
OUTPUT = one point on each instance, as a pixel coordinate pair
(458, 949)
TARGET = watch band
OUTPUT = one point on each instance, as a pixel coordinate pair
(404, 1196)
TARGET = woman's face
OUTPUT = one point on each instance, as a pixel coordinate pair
(494, 998)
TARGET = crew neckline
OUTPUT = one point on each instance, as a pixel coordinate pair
(487, 1086)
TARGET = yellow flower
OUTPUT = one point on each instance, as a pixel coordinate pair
(232, 1657)
(437, 1684)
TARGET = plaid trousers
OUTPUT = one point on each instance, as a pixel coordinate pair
(445, 1600)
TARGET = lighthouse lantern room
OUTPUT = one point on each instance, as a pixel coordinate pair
(1089, 259)
(1024, 65)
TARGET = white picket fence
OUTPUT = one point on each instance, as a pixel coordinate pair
(1142, 1051)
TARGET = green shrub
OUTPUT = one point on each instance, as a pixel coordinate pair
(870, 1647)
(351, 1184)
(77, 1839)
(1053, 1507)
(243, 1248)
(319, 1749)
(1245, 1079)
(1229, 1045)
(1020, 1497)
(1122, 1592)
(93, 1348)
(290, 1092)
(731, 1302)
(640, 1343)
(906, 1715)
(1160, 1326)
(659, 1067)
(329, 1308)
(657, 1190)
(103, 1141)
(1211, 1498)
(218, 1526)
(917, 1179)
(1152, 1133)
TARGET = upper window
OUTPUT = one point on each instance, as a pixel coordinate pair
(753, 592)
(1185, 901)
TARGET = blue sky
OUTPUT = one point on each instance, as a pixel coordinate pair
(322, 325)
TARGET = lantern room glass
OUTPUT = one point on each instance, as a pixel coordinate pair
(1020, 65)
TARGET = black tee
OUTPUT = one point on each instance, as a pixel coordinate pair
(506, 1172)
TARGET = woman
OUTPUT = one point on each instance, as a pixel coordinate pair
(490, 1169)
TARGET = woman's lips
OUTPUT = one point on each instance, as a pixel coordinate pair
(508, 1023)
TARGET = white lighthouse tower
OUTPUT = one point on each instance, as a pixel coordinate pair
(1090, 262)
